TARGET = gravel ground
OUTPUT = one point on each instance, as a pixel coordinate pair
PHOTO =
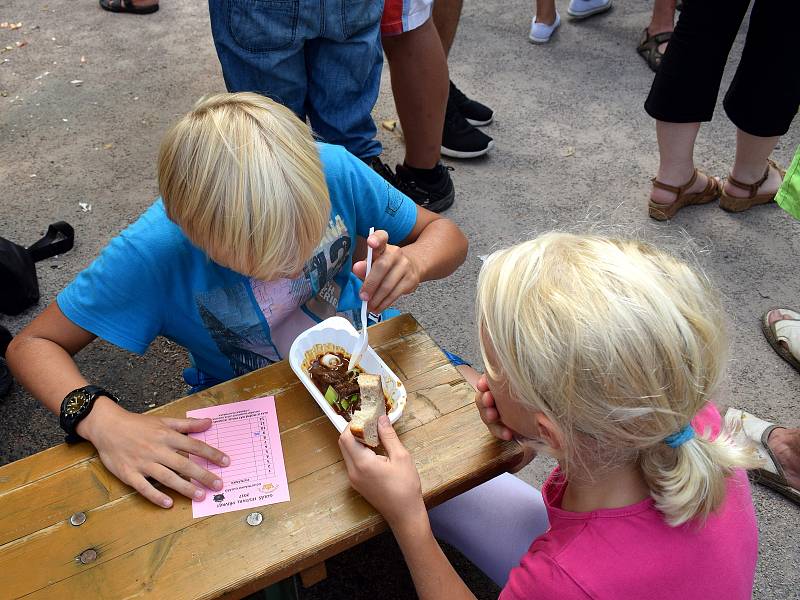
(574, 150)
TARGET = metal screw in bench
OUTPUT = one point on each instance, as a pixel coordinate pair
(87, 556)
(79, 518)
(254, 519)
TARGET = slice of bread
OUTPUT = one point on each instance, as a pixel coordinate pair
(364, 424)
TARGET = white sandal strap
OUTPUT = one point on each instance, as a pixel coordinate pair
(789, 331)
(749, 430)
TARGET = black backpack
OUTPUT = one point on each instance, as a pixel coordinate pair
(19, 287)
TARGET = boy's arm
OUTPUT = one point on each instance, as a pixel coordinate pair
(434, 249)
(132, 446)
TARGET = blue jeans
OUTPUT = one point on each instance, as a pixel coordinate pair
(320, 58)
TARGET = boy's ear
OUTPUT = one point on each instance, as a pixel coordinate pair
(549, 432)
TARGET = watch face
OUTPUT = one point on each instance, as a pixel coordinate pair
(76, 403)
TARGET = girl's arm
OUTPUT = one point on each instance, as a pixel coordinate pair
(434, 249)
(132, 446)
(391, 484)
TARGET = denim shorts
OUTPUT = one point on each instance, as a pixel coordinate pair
(320, 58)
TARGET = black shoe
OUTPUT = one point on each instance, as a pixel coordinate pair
(382, 169)
(474, 112)
(459, 138)
(435, 197)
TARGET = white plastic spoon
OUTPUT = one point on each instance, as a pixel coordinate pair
(361, 345)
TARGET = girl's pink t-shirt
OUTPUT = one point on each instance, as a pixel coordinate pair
(631, 552)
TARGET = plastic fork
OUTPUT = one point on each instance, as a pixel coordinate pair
(361, 345)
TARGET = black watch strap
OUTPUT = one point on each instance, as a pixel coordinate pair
(69, 421)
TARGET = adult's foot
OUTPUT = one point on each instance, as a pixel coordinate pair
(429, 188)
(785, 446)
(769, 186)
(139, 7)
(781, 327)
(474, 112)
(666, 197)
(459, 138)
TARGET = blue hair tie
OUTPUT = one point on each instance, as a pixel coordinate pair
(679, 438)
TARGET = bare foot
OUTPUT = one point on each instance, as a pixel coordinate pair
(785, 445)
(666, 197)
(770, 186)
(651, 31)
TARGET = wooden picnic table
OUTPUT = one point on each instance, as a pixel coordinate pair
(125, 547)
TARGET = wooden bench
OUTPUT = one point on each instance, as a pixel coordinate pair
(70, 529)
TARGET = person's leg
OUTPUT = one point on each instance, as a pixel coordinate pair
(493, 525)
(676, 159)
(761, 118)
(662, 20)
(750, 165)
(446, 14)
(684, 91)
(344, 72)
(420, 85)
(260, 48)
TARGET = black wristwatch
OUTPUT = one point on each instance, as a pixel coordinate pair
(76, 406)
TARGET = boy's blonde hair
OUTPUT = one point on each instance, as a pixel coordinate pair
(620, 345)
(241, 176)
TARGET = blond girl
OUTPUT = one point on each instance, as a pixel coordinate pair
(251, 243)
(604, 354)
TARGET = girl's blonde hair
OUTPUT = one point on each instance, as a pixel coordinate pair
(620, 345)
(241, 176)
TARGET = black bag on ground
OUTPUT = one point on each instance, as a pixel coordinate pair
(19, 287)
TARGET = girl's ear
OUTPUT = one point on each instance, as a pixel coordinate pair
(550, 433)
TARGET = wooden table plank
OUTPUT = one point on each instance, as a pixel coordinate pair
(128, 531)
(324, 517)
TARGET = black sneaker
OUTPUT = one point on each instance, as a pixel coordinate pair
(459, 138)
(474, 112)
(382, 169)
(435, 197)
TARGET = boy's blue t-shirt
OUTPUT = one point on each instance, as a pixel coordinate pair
(151, 280)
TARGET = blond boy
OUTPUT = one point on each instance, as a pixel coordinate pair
(251, 243)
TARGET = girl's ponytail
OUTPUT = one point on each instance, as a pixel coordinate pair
(689, 479)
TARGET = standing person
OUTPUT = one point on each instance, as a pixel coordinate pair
(462, 114)
(323, 62)
(419, 84)
(604, 354)
(684, 93)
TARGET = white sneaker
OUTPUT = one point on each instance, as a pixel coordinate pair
(581, 9)
(541, 32)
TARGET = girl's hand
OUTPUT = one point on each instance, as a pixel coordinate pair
(489, 415)
(393, 273)
(389, 483)
(136, 447)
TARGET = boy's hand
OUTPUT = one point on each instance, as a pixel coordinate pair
(389, 483)
(489, 415)
(135, 447)
(393, 273)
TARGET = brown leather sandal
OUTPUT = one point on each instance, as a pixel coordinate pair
(737, 204)
(664, 212)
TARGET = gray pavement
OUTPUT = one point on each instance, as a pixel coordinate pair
(574, 150)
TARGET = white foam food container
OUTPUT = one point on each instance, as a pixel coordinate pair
(340, 333)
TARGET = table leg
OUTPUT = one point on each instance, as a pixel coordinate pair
(313, 574)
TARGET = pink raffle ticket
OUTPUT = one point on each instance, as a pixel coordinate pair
(248, 433)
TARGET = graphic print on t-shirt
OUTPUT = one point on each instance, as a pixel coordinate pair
(254, 323)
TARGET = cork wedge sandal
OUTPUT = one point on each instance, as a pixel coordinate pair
(664, 212)
(736, 204)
